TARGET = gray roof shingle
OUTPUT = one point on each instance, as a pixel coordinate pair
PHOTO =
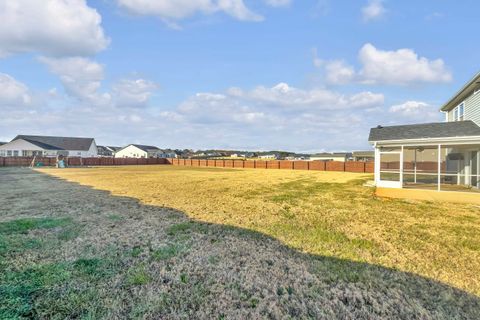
(58, 143)
(425, 130)
(146, 148)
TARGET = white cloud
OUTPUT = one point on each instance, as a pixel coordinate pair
(181, 9)
(81, 78)
(373, 10)
(278, 3)
(276, 117)
(416, 111)
(13, 93)
(402, 66)
(50, 27)
(338, 72)
(283, 95)
(396, 67)
(133, 93)
(280, 117)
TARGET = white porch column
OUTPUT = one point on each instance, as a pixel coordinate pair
(401, 167)
(468, 168)
(415, 167)
(439, 167)
(377, 164)
(478, 169)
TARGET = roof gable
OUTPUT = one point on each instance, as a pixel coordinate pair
(58, 143)
(141, 147)
(146, 148)
(467, 90)
(425, 131)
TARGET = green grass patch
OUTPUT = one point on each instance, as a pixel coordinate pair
(186, 227)
(15, 236)
(25, 225)
(136, 251)
(69, 233)
(19, 288)
(167, 252)
(138, 276)
(57, 290)
(115, 217)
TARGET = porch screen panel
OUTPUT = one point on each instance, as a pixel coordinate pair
(452, 169)
(475, 171)
(460, 171)
(420, 167)
(390, 165)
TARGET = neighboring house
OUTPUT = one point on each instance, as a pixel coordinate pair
(27, 146)
(335, 156)
(140, 151)
(363, 156)
(107, 151)
(169, 153)
(438, 156)
(268, 156)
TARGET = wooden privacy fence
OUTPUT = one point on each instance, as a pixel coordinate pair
(350, 166)
(75, 162)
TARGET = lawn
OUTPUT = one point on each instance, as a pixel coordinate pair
(179, 242)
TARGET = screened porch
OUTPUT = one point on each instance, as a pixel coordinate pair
(431, 167)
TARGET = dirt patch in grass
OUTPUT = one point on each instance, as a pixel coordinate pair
(131, 259)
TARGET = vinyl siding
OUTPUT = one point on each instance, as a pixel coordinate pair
(472, 108)
(131, 152)
(450, 115)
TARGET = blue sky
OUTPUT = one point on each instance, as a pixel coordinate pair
(308, 75)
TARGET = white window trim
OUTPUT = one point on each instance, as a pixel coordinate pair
(456, 112)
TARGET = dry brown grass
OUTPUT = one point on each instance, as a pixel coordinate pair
(322, 213)
(71, 251)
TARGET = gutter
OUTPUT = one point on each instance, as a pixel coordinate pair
(464, 88)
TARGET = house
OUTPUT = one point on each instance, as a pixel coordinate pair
(442, 156)
(107, 151)
(169, 153)
(363, 156)
(140, 151)
(268, 156)
(335, 156)
(47, 146)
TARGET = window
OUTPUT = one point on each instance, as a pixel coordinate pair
(459, 112)
(2, 153)
(15, 153)
(9, 153)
